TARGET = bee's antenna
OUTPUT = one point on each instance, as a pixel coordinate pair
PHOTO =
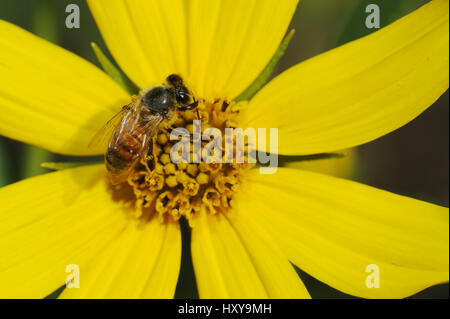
(196, 108)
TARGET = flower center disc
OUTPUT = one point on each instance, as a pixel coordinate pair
(185, 189)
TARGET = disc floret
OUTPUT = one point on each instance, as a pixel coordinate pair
(173, 190)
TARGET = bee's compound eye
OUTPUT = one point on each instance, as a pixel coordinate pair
(159, 99)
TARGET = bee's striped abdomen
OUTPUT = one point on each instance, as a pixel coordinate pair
(124, 149)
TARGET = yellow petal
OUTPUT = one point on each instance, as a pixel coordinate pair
(243, 260)
(52, 221)
(230, 42)
(223, 268)
(218, 46)
(50, 97)
(143, 262)
(360, 91)
(275, 271)
(146, 38)
(334, 229)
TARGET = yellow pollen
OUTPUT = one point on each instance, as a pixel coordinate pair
(185, 189)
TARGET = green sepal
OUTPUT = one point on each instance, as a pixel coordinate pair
(113, 72)
(57, 166)
(285, 159)
(262, 78)
(307, 158)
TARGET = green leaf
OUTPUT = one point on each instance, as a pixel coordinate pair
(113, 72)
(57, 166)
(265, 74)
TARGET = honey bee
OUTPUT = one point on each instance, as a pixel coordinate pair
(130, 131)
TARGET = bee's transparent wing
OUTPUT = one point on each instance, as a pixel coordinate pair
(146, 139)
(151, 128)
(103, 136)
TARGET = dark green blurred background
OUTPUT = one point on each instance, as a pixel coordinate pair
(411, 161)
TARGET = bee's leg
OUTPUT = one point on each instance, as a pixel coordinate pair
(126, 107)
(190, 107)
(169, 129)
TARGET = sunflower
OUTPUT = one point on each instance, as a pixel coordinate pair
(247, 227)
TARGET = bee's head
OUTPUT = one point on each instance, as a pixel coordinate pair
(182, 94)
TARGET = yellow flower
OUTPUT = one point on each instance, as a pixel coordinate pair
(331, 228)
